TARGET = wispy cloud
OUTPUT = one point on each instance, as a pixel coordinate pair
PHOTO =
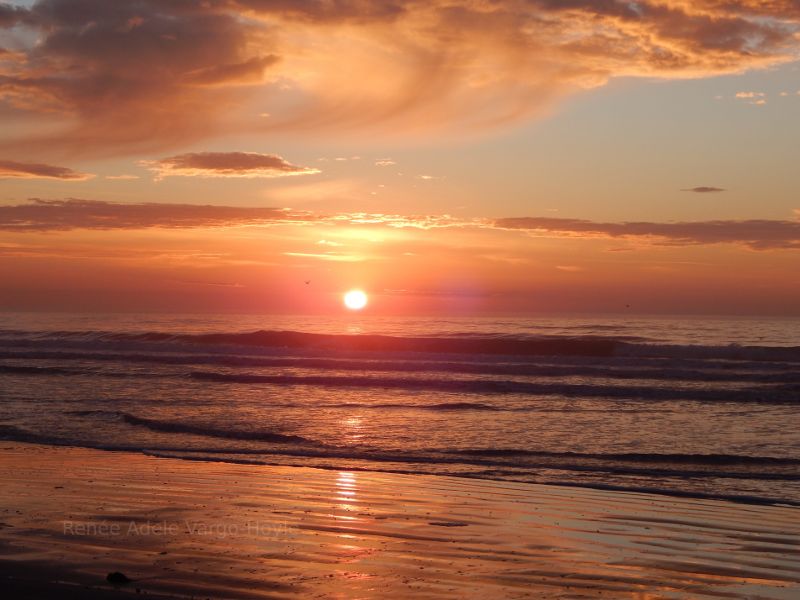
(212, 283)
(225, 164)
(123, 177)
(10, 169)
(704, 189)
(331, 256)
(398, 221)
(755, 98)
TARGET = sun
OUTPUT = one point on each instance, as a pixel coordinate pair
(355, 299)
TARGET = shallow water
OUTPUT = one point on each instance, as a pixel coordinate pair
(696, 406)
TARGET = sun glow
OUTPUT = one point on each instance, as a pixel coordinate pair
(355, 299)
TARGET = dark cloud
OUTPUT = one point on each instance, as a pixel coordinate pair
(325, 11)
(712, 26)
(11, 15)
(10, 169)
(226, 164)
(758, 234)
(784, 8)
(704, 189)
(133, 75)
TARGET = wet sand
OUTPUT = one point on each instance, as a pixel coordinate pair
(70, 516)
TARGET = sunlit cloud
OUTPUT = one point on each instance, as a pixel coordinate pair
(755, 98)
(225, 164)
(146, 76)
(10, 169)
(250, 71)
(398, 221)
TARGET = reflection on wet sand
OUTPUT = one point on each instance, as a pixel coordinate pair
(242, 531)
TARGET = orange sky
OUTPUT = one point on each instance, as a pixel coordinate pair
(464, 157)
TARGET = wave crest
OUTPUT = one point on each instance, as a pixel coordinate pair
(217, 432)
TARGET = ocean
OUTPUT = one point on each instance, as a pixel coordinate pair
(690, 406)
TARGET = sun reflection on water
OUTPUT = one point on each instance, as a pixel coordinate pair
(352, 429)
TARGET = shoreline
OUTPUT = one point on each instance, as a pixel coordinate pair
(669, 493)
(220, 458)
(182, 528)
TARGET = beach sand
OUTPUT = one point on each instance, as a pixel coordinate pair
(70, 516)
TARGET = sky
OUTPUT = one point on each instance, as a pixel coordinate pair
(465, 157)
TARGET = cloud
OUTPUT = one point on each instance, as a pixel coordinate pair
(151, 75)
(755, 234)
(11, 15)
(331, 256)
(399, 221)
(76, 213)
(73, 213)
(704, 189)
(212, 283)
(755, 98)
(62, 215)
(239, 73)
(123, 177)
(225, 164)
(130, 77)
(10, 169)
